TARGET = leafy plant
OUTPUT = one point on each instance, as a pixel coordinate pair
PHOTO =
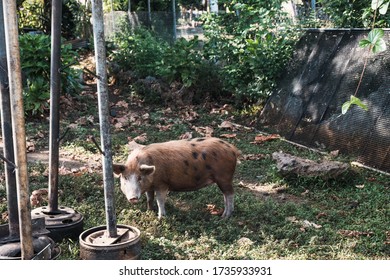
(35, 53)
(374, 43)
(251, 43)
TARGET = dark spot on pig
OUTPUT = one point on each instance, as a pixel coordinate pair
(204, 155)
(197, 178)
(195, 168)
(208, 167)
(193, 145)
(186, 163)
(195, 155)
(200, 139)
(222, 142)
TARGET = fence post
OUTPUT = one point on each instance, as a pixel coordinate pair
(18, 126)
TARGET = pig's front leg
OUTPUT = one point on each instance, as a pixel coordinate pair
(161, 197)
(150, 199)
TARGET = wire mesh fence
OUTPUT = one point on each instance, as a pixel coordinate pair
(324, 73)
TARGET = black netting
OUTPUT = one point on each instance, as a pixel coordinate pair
(324, 73)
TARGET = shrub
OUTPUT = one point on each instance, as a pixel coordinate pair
(182, 62)
(252, 43)
(35, 51)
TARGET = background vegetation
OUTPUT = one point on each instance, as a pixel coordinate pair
(236, 63)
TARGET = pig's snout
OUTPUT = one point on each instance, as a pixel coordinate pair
(133, 200)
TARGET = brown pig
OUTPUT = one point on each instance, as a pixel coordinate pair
(182, 165)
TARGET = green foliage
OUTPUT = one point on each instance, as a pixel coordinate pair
(356, 13)
(138, 50)
(35, 51)
(242, 56)
(374, 41)
(353, 101)
(252, 43)
(376, 44)
(181, 62)
(147, 55)
(36, 15)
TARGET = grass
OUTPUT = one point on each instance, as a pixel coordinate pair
(274, 217)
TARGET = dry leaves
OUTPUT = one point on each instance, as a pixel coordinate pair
(303, 223)
(259, 139)
(354, 233)
(253, 156)
(214, 210)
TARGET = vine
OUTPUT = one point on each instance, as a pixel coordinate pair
(375, 44)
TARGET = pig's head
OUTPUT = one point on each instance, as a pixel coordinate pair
(135, 180)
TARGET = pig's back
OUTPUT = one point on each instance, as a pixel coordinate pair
(191, 164)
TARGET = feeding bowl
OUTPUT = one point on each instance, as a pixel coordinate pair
(95, 244)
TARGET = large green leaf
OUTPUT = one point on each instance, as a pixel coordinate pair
(383, 8)
(375, 4)
(353, 101)
(374, 40)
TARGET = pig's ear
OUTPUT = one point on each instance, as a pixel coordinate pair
(134, 146)
(118, 168)
(147, 169)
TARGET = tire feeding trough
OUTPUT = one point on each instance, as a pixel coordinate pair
(61, 221)
(111, 241)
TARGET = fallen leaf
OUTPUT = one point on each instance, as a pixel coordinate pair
(204, 131)
(307, 223)
(122, 104)
(227, 125)
(305, 192)
(146, 116)
(212, 208)
(233, 135)
(320, 215)
(259, 139)
(253, 156)
(334, 153)
(354, 233)
(187, 135)
(141, 138)
(164, 127)
(360, 186)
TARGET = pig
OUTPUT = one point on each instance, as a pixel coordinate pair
(179, 165)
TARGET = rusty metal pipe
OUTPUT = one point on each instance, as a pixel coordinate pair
(18, 126)
(105, 136)
(55, 89)
(6, 126)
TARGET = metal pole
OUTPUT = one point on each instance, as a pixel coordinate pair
(100, 55)
(18, 126)
(55, 89)
(174, 19)
(6, 126)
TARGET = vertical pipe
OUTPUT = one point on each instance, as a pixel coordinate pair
(18, 126)
(174, 19)
(100, 55)
(149, 16)
(55, 88)
(6, 126)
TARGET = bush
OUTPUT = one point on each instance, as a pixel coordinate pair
(252, 44)
(35, 52)
(182, 62)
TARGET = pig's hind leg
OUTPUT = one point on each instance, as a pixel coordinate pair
(161, 197)
(228, 196)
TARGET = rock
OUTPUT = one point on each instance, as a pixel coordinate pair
(291, 165)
